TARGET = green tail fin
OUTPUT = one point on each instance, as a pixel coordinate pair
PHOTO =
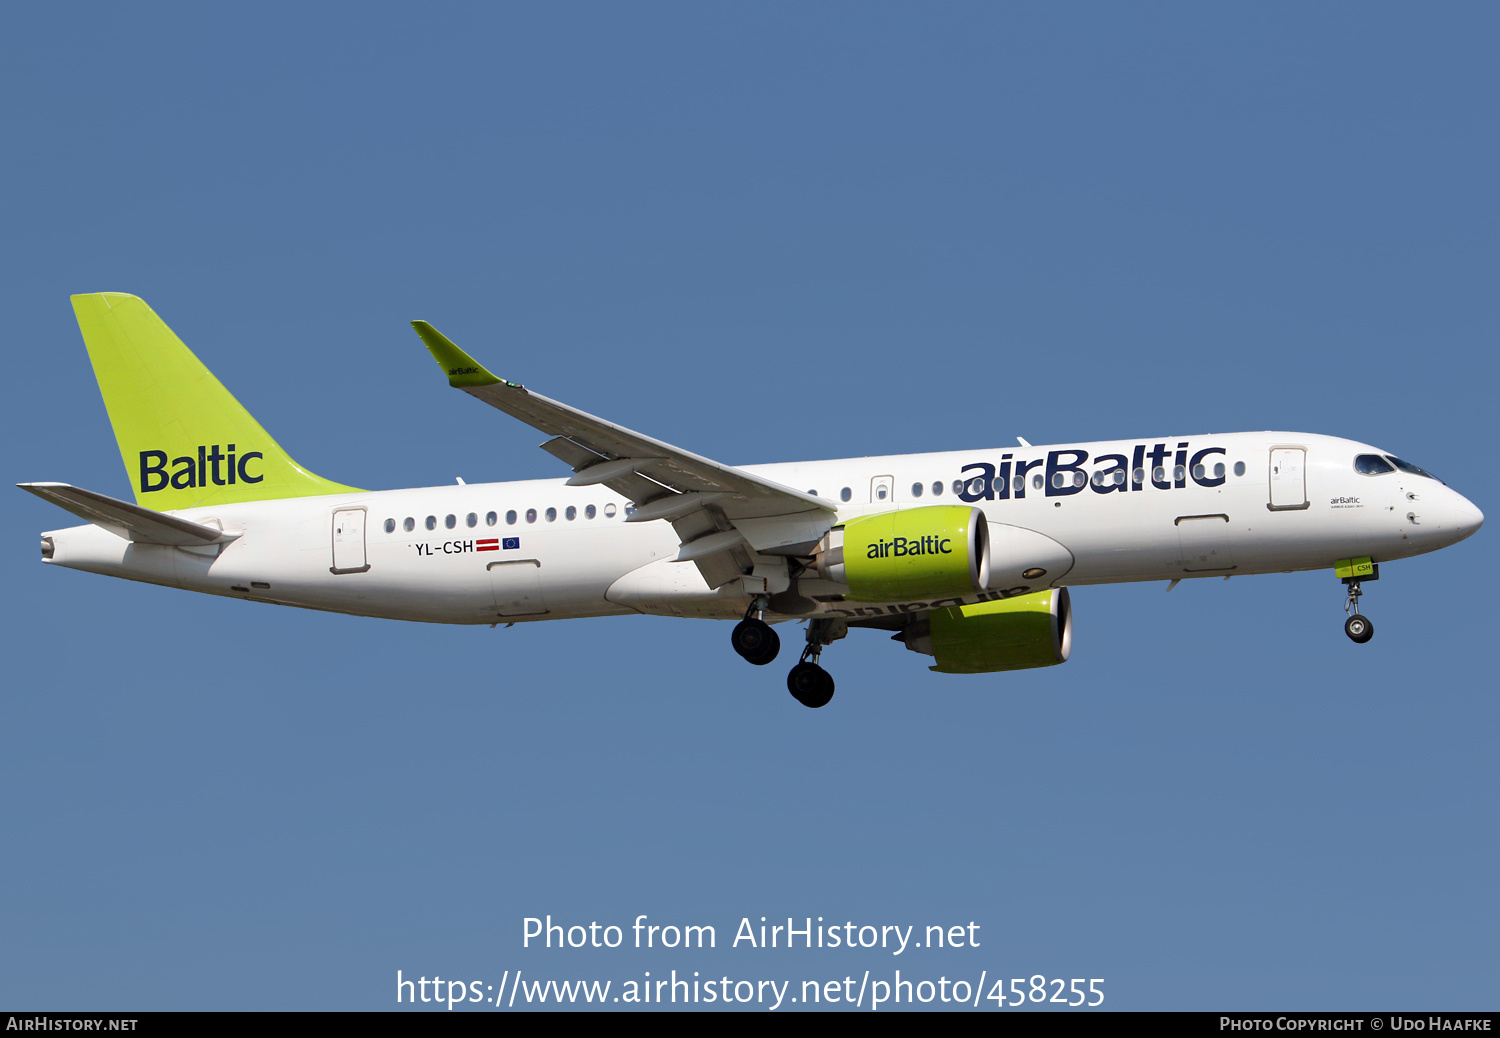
(185, 441)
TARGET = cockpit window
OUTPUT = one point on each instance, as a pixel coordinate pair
(1372, 465)
(1406, 466)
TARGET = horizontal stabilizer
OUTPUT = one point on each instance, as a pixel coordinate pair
(124, 519)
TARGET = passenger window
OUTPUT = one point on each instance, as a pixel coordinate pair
(588, 512)
(1058, 479)
(1179, 473)
(1119, 476)
(431, 522)
(1036, 481)
(1239, 468)
(916, 490)
(571, 513)
(937, 490)
(408, 524)
(976, 486)
(1372, 465)
(880, 493)
(1140, 476)
(490, 518)
(958, 486)
(845, 494)
(531, 515)
(510, 517)
(609, 510)
(1219, 470)
(472, 519)
(1199, 471)
(1159, 475)
(450, 520)
(390, 526)
(552, 515)
(1019, 483)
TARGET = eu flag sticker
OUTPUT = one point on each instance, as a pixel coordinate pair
(511, 542)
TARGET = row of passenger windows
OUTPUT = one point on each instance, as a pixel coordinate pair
(471, 520)
(1113, 477)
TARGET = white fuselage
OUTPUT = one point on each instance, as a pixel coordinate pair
(1285, 501)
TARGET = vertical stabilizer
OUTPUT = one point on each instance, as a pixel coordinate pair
(184, 439)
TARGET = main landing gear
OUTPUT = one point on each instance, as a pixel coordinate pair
(1358, 627)
(753, 638)
(810, 684)
(758, 643)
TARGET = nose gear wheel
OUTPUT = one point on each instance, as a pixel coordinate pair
(1358, 627)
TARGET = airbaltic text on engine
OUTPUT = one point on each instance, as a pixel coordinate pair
(898, 547)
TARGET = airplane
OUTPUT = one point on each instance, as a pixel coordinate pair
(964, 556)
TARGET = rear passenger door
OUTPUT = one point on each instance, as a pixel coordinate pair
(349, 541)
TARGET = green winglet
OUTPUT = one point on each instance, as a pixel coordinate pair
(462, 370)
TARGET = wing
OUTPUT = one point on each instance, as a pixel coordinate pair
(722, 514)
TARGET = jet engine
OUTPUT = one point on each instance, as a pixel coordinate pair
(1018, 633)
(915, 553)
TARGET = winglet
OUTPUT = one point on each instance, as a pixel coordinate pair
(462, 370)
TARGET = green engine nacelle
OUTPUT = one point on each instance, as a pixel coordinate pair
(915, 553)
(1019, 633)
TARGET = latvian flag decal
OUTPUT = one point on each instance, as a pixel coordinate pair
(492, 544)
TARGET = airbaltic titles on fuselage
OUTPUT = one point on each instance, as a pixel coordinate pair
(1063, 472)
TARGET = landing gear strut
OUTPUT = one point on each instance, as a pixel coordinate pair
(1358, 627)
(810, 684)
(753, 638)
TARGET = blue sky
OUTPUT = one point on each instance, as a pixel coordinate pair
(766, 233)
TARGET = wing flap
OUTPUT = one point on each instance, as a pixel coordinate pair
(571, 454)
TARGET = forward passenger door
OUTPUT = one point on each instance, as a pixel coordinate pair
(1288, 478)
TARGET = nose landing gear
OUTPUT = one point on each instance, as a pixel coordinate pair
(810, 684)
(1358, 627)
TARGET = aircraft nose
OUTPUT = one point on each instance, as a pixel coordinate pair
(1468, 518)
